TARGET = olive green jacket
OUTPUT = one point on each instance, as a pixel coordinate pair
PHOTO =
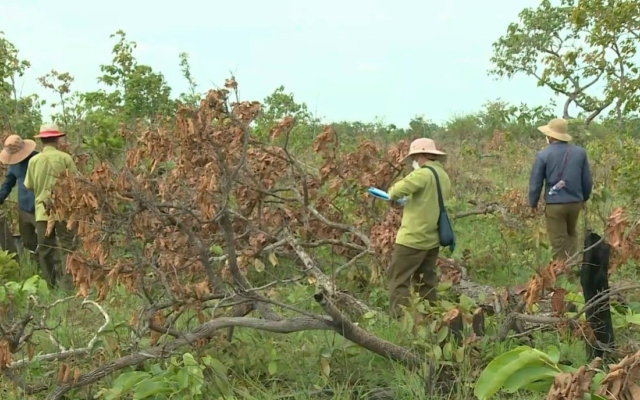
(42, 175)
(419, 229)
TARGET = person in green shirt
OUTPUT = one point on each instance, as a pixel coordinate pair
(415, 252)
(42, 174)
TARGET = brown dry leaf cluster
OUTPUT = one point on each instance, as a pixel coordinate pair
(5, 354)
(383, 235)
(516, 202)
(620, 382)
(545, 279)
(150, 220)
(448, 271)
(497, 141)
(622, 236)
(573, 386)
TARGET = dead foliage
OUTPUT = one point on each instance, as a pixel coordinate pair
(618, 384)
(198, 203)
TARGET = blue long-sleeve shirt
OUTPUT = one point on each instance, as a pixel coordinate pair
(16, 174)
(547, 169)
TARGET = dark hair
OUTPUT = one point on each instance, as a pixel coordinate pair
(49, 140)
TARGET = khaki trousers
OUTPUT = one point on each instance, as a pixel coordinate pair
(411, 267)
(562, 223)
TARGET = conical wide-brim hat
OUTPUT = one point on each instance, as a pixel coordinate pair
(423, 146)
(557, 128)
(16, 149)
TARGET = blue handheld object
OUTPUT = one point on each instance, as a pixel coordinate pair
(379, 193)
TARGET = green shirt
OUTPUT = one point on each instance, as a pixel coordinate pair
(419, 228)
(42, 174)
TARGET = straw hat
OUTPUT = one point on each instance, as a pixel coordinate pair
(16, 149)
(423, 146)
(49, 131)
(557, 128)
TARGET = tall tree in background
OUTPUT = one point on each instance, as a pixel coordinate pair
(18, 114)
(582, 52)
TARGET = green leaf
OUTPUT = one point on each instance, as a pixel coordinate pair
(447, 351)
(467, 303)
(554, 354)
(505, 365)
(188, 360)
(219, 368)
(528, 375)
(99, 343)
(633, 319)
(216, 250)
(43, 288)
(273, 368)
(31, 285)
(127, 380)
(150, 387)
(367, 315)
(325, 352)
(447, 305)
(13, 288)
(3, 293)
(182, 377)
(442, 334)
(437, 353)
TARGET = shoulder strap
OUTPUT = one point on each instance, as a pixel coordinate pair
(440, 200)
(564, 161)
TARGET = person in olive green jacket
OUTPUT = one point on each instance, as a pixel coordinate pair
(417, 245)
(41, 177)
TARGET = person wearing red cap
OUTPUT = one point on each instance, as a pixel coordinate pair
(42, 174)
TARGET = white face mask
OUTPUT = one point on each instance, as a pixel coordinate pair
(415, 165)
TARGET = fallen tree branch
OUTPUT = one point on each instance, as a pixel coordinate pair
(335, 322)
(483, 210)
(66, 353)
(326, 283)
(370, 342)
(204, 331)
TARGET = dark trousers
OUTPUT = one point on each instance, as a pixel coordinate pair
(27, 229)
(562, 224)
(53, 257)
(411, 268)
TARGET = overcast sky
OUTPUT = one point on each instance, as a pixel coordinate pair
(347, 59)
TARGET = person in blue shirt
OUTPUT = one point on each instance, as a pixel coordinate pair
(16, 154)
(562, 170)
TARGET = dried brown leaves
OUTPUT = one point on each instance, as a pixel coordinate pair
(618, 384)
(573, 386)
(150, 218)
(545, 279)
